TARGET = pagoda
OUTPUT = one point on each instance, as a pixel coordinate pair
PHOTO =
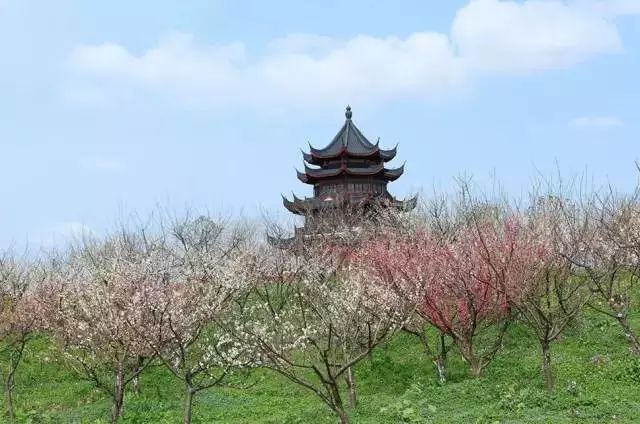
(349, 173)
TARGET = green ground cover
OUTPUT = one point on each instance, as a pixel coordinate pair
(597, 382)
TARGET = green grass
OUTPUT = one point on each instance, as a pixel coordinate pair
(396, 386)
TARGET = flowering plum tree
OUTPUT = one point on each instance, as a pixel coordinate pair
(464, 280)
(607, 249)
(207, 278)
(311, 316)
(95, 307)
(465, 298)
(403, 261)
(18, 318)
(553, 294)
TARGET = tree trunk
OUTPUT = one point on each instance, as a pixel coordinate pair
(440, 363)
(476, 364)
(188, 404)
(351, 384)
(8, 398)
(546, 364)
(136, 384)
(443, 346)
(438, 356)
(337, 406)
(118, 395)
(475, 367)
(136, 379)
(441, 360)
(16, 357)
(342, 414)
(630, 335)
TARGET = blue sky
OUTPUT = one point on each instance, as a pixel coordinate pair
(119, 106)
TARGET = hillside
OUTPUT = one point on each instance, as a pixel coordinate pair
(597, 382)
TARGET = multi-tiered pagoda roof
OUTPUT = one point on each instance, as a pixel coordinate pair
(349, 171)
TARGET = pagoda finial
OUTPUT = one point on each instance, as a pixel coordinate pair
(348, 113)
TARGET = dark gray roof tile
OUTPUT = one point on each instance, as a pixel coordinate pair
(351, 141)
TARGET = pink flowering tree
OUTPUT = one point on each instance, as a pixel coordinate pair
(464, 299)
(464, 280)
(18, 318)
(403, 261)
(488, 267)
(448, 284)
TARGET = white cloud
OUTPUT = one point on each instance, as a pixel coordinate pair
(299, 69)
(506, 36)
(602, 122)
(625, 7)
(101, 164)
(311, 70)
(613, 7)
(301, 43)
(365, 68)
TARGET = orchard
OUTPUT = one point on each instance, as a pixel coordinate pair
(207, 306)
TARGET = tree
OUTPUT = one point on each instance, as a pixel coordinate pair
(465, 300)
(95, 307)
(18, 318)
(342, 231)
(607, 250)
(403, 260)
(311, 317)
(207, 279)
(493, 258)
(464, 280)
(622, 231)
(553, 297)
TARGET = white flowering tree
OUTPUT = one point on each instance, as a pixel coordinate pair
(557, 293)
(311, 317)
(95, 307)
(18, 318)
(206, 278)
(608, 251)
